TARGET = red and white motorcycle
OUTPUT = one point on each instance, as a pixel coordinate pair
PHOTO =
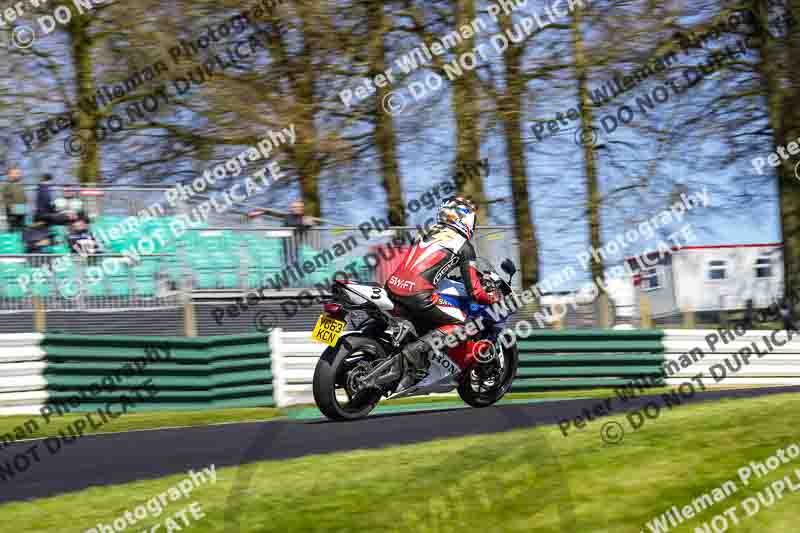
(360, 367)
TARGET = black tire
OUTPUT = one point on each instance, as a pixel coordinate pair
(328, 374)
(488, 397)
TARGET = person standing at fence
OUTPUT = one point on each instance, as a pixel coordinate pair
(301, 223)
(38, 237)
(13, 197)
(44, 209)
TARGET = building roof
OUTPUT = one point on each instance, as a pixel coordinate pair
(718, 246)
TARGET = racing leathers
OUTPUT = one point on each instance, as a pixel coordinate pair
(413, 285)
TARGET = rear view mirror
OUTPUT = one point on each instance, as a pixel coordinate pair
(508, 267)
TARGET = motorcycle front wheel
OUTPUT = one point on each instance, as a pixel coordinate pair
(484, 385)
(336, 378)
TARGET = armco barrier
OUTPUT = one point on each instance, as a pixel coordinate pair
(582, 359)
(780, 366)
(549, 360)
(196, 373)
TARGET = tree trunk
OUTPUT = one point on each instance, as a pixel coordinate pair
(788, 181)
(784, 118)
(385, 138)
(81, 49)
(510, 106)
(304, 153)
(467, 116)
(593, 201)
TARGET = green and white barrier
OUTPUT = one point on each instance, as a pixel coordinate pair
(757, 357)
(150, 373)
(260, 370)
(22, 365)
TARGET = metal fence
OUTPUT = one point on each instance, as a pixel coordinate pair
(62, 282)
(218, 260)
(129, 202)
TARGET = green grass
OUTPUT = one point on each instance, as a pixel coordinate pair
(531, 480)
(134, 421)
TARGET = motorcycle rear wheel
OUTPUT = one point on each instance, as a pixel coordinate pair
(476, 396)
(332, 378)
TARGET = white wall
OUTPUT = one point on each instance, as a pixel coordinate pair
(695, 291)
(778, 367)
(22, 382)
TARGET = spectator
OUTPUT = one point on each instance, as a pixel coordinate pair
(37, 238)
(787, 315)
(44, 209)
(297, 219)
(13, 198)
(749, 314)
(80, 238)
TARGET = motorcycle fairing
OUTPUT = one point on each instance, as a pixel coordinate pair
(370, 293)
(442, 376)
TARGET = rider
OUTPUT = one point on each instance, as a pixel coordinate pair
(433, 254)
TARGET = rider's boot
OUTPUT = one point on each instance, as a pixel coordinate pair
(413, 355)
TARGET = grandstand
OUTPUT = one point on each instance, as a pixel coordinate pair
(209, 264)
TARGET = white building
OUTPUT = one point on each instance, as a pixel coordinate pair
(709, 278)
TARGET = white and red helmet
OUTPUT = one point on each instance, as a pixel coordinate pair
(459, 213)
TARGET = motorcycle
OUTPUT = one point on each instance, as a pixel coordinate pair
(360, 367)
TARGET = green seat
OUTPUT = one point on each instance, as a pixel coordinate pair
(119, 287)
(119, 281)
(173, 268)
(10, 273)
(145, 286)
(96, 289)
(11, 243)
(44, 288)
(68, 290)
(205, 280)
(230, 280)
(271, 262)
(66, 280)
(268, 273)
(149, 266)
(170, 245)
(224, 260)
(58, 249)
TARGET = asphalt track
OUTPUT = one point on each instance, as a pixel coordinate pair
(96, 460)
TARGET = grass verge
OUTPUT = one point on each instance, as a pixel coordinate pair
(131, 421)
(527, 480)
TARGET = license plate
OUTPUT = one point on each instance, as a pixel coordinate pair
(328, 330)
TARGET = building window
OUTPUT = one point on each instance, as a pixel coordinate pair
(650, 279)
(763, 267)
(717, 270)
